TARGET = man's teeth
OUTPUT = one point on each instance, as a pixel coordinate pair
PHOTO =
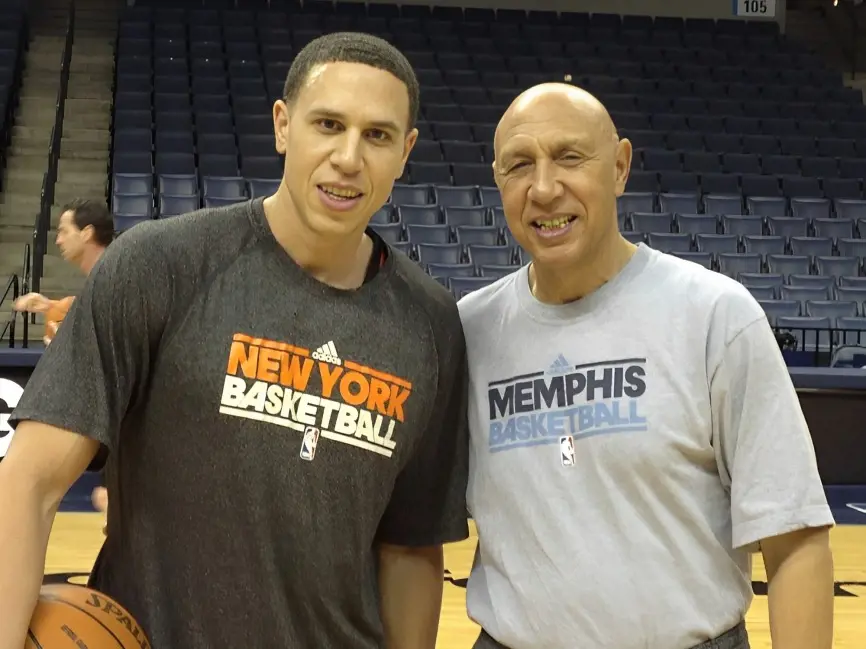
(553, 223)
(340, 193)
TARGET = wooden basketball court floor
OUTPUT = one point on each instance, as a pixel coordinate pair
(76, 538)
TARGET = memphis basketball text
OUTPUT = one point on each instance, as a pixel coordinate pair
(566, 400)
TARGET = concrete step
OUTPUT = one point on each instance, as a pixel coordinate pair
(41, 88)
(91, 78)
(43, 139)
(24, 185)
(93, 121)
(74, 149)
(92, 90)
(25, 171)
(56, 268)
(80, 106)
(32, 106)
(17, 234)
(93, 188)
(44, 60)
(101, 136)
(17, 201)
(88, 178)
(41, 43)
(101, 68)
(37, 120)
(25, 162)
(36, 149)
(12, 253)
(66, 192)
(67, 167)
(31, 131)
(18, 218)
(92, 53)
(38, 78)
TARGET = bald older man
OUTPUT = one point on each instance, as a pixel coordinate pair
(635, 432)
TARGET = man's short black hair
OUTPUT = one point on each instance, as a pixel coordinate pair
(353, 47)
(95, 214)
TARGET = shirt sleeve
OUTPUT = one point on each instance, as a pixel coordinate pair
(428, 504)
(764, 449)
(96, 368)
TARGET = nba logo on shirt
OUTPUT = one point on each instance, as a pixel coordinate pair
(308, 446)
(566, 450)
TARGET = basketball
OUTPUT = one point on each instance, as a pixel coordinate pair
(76, 616)
(57, 311)
(54, 316)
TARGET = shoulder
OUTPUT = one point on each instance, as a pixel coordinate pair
(495, 299)
(178, 245)
(723, 302)
(201, 229)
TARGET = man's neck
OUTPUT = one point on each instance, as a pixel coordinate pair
(561, 285)
(89, 259)
(338, 262)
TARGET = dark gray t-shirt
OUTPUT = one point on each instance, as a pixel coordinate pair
(264, 431)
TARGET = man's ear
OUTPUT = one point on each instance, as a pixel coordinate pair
(281, 126)
(408, 145)
(623, 164)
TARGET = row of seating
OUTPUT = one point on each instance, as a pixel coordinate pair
(494, 72)
(682, 100)
(799, 254)
(242, 115)
(770, 189)
(584, 53)
(401, 16)
(757, 227)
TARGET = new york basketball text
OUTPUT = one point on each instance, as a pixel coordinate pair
(285, 385)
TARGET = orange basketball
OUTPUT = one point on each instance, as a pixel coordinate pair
(54, 316)
(56, 312)
(76, 616)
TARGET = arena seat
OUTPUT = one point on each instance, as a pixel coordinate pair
(749, 157)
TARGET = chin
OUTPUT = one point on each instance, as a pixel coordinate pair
(335, 224)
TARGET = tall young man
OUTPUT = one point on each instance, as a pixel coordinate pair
(282, 398)
(644, 437)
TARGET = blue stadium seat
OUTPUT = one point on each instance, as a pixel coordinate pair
(428, 233)
(477, 235)
(177, 205)
(776, 309)
(754, 170)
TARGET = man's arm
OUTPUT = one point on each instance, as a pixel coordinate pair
(767, 460)
(410, 591)
(800, 576)
(41, 465)
(427, 508)
(72, 407)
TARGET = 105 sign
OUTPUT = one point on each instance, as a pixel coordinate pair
(762, 8)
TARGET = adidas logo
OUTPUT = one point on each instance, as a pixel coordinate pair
(327, 353)
(560, 365)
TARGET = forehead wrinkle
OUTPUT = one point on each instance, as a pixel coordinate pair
(588, 109)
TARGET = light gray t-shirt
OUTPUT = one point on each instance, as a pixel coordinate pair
(628, 452)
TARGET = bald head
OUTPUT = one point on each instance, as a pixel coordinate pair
(573, 108)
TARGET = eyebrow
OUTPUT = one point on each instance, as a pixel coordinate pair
(565, 143)
(386, 125)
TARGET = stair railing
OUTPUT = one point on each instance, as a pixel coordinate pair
(49, 180)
